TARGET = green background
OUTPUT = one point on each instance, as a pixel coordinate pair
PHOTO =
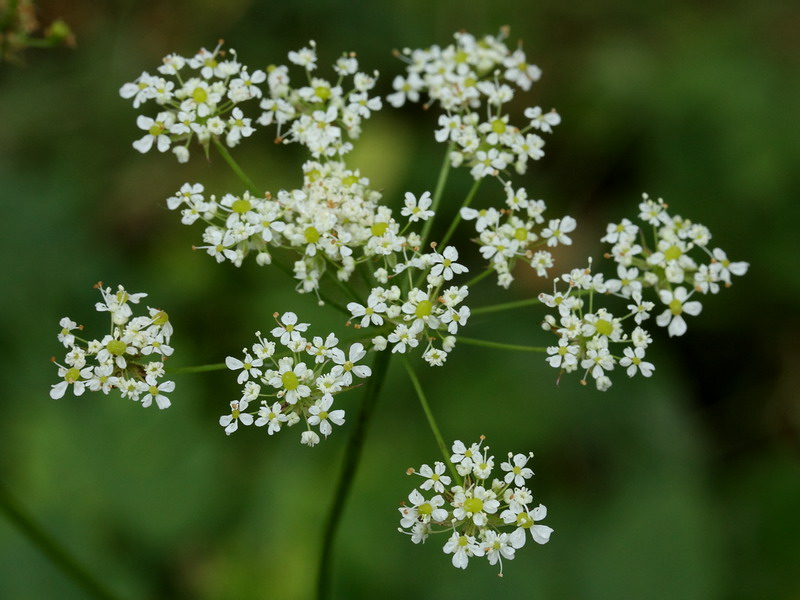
(686, 485)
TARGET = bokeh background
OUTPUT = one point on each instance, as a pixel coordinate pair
(683, 486)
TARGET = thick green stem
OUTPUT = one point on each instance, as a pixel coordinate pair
(437, 193)
(350, 464)
(499, 345)
(58, 555)
(237, 169)
(505, 306)
(457, 219)
(431, 421)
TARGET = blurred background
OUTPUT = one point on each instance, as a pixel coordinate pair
(686, 485)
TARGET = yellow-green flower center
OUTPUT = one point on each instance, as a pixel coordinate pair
(675, 307)
(463, 541)
(425, 509)
(322, 92)
(311, 235)
(521, 234)
(199, 95)
(116, 347)
(498, 126)
(290, 381)
(473, 505)
(161, 318)
(604, 327)
(72, 375)
(424, 309)
(524, 520)
(673, 253)
(241, 206)
(349, 180)
(379, 228)
(156, 129)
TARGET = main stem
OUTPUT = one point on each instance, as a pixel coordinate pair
(347, 475)
(58, 555)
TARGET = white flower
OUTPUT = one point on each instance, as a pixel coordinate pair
(231, 422)
(155, 393)
(517, 472)
(289, 329)
(462, 547)
(677, 303)
(309, 438)
(369, 313)
(633, 360)
(67, 326)
(417, 210)
(320, 414)
(436, 478)
(249, 366)
(445, 264)
(346, 367)
(557, 229)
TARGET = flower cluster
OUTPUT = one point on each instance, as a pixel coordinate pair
(516, 233)
(667, 267)
(290, 390)
(462, 78)
(488, 517)
(316, 114)
(432, 314)
(129, 359)
(197, 96)
(333, 221)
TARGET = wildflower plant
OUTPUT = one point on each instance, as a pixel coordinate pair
(399, 292)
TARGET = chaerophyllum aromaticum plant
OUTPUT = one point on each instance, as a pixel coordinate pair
(404, 294)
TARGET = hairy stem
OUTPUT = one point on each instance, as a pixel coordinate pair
(58, 554)
(352, 456)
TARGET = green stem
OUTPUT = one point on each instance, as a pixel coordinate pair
(237, 169)
(467, 201)
(499, 345)
(482, 275)
(437, 194)
(322, 296)
(57, 554)
(431, 421)
(195, 369)
(350, 463)
(505, 306)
